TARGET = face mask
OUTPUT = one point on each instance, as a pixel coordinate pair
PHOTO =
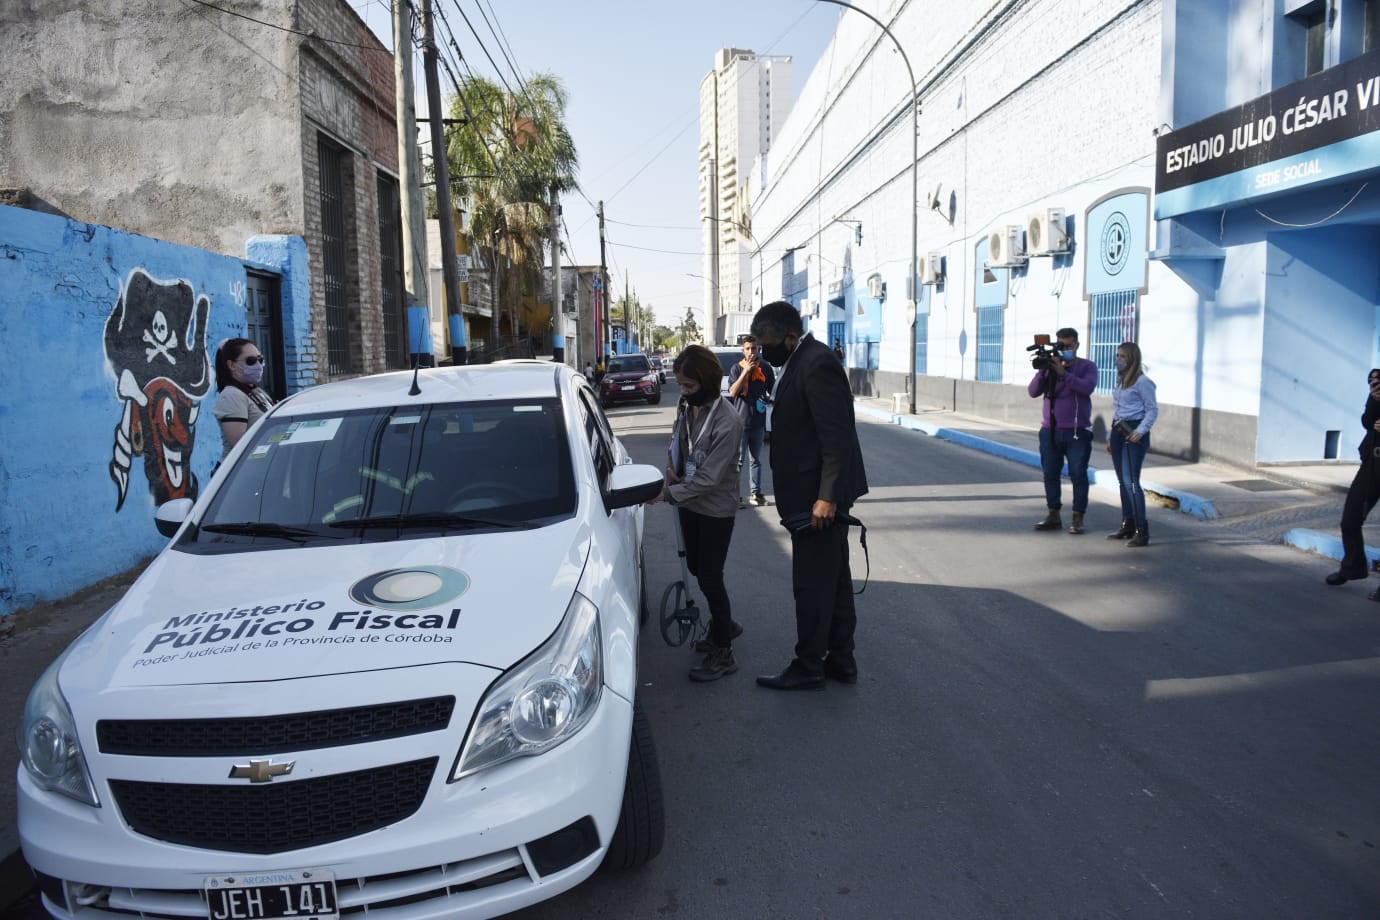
(698, 398)
(1066, 355)
(777, 354)
(251, 374)
(1121, 364)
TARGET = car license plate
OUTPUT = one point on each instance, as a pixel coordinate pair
(305, 895)
(629, 387)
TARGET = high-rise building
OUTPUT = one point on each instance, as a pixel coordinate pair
(743, 102)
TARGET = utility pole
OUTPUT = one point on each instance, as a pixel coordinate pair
(557, 314)
(450, 271)
(601, 324)
(409, 177)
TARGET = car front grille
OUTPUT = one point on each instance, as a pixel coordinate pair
(275, 817)
(453, 887)
(273, 734)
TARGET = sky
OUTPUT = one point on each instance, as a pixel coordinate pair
(632, 69)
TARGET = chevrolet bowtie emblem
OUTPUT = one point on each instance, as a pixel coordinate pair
(261, 771)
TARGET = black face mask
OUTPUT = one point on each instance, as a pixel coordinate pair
(698, 398)
(777, 354)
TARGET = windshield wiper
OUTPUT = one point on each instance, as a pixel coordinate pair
(266, 529)
(434, 519)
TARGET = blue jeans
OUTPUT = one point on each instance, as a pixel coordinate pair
(1056, 447)
(1127, 458)
(751, 450)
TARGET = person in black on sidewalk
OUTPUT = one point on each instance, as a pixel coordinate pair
(1363, 494)
(817, 472)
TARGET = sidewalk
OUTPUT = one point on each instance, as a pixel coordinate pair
(1298, 505)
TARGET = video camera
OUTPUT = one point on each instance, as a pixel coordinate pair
(1045, 352)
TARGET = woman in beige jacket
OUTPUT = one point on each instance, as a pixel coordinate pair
(702, 484)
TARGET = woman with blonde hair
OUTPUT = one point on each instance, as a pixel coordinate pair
(1134, 411)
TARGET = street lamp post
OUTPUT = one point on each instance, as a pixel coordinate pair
(911, 284)
(718, 295)
(761, 260)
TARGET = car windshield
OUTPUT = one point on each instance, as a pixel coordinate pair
(628, 364)
(729, 359)
(394, 472)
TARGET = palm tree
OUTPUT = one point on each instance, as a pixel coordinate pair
(511, 156)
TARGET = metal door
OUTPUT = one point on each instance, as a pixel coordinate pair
(263, 320)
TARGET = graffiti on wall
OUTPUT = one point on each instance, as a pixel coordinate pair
(155, 344)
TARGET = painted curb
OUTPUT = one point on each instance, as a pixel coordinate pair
(1189, 503)
(1324, 544)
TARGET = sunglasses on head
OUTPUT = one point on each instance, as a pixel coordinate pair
(255, 359)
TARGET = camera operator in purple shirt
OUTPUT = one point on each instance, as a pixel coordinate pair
(1065, 382)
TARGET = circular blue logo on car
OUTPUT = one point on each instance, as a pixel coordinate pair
(415, 588)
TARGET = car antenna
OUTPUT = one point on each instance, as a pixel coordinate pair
(416, 369)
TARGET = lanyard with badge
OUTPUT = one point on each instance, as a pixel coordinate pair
(690, 465)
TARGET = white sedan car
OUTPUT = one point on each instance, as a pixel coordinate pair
(386, 664)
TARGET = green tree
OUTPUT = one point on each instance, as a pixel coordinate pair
(510, 155)
(689, 330)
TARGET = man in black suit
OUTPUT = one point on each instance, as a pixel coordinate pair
(817, 474)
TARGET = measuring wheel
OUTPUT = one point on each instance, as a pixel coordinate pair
(680, 618)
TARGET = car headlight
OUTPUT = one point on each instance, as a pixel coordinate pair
(543, 701)
(650, 378)
(48, 741)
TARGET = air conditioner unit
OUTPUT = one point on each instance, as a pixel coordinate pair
(1004, 246)
(876, 287)
(1045, 232)
(932, 268)
(809, 308)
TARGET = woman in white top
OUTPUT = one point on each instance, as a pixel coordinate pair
(1134, 411)
(239, 368)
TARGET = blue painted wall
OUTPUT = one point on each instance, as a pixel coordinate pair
(106, 389)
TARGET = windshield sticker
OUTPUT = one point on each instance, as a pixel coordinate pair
(527, 408)
(404, 420)
(260, 452)
(318, 429)
(302, 623)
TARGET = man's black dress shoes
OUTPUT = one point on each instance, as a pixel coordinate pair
(845, 672)
(1340, 578)
(793, 678)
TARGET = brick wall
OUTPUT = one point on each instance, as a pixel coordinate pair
(347, 96)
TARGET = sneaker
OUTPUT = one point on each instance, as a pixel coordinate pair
(717, 663)
(757, 499)
(706, 645)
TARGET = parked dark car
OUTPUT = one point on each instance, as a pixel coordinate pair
(629, 378)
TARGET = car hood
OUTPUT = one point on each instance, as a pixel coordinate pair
(488, 599)
(626, 376)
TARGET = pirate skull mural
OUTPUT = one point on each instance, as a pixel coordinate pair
(155, 343)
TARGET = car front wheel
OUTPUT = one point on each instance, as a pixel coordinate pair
(642, 823)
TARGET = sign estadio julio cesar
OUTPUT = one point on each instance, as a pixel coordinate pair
(1336, 105)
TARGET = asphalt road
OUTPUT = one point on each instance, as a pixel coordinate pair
(1047, 725)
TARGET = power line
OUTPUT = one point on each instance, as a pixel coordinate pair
(322, 38)
(670, 252)
(648, 226)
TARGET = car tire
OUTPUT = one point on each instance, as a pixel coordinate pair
(641, 826)
(653, 400)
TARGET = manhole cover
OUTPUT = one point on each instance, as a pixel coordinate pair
(1259, 485)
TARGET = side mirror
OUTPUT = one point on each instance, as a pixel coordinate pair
(170, 515)
(632, 484)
